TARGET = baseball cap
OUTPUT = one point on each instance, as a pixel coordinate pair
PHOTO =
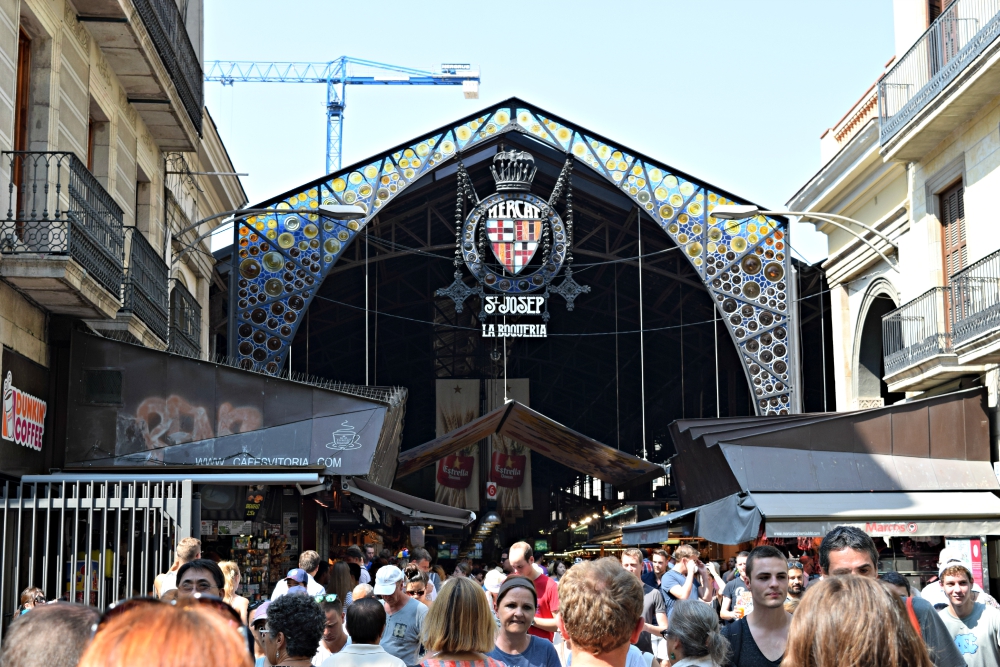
(260, 612)
(949, 554)
(493, 579)
(386, 579)
(953, 563)
(297, 574)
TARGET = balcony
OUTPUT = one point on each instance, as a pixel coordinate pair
(185, 323)
(975, 318)
(147, 45)
(916, 342)
(942, 81)
(144, 294)
(62, 240)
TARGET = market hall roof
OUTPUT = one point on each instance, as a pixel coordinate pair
(540, 434)
(934, 444)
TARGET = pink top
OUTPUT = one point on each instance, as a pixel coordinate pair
(489, 662)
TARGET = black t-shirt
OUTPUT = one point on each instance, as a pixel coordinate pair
(739, 596)
(745, 652)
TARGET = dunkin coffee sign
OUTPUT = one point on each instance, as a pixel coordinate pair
(23, 416)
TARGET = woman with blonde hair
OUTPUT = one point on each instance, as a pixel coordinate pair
(871, 627)
(232, 572)
(459, 629)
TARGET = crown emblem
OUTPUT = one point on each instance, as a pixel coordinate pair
(513, 170)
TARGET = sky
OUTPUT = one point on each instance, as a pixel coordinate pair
(734, 92)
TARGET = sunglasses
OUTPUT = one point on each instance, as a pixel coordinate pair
(329, 597)
(416, 594)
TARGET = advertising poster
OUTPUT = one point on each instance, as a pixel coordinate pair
(972, 556)
(457, 475)
(510, 461)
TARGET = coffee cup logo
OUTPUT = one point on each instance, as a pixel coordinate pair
(345, 438)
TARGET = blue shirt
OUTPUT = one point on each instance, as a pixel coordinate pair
(540, 653)
(675, 578)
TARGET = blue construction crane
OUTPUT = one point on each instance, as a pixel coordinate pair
(337, 75)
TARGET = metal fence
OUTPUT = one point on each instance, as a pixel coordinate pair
(916, 330)
(961, 33)
(166, 28)
(57, 206)
(975, 294)
(88, 541)
(145, 290)
(185, 323)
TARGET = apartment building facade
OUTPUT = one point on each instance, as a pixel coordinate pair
(108, 159)
(915, 289)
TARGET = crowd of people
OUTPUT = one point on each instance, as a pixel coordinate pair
(644, 609)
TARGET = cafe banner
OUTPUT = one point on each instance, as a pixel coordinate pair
(457, 479)
(510, 461)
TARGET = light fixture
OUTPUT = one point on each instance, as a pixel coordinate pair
(732, 211)
(491, 517)
(342, 211)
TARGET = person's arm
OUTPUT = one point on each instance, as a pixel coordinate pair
(661, 624)
(720, 585)
(725, 613)
(681, 592)
(156, 585)
(707, 589)
(548, 624)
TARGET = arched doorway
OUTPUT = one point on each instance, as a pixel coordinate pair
(743, 265)
(870, 388)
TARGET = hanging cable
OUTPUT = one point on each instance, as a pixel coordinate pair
(618, 402)
(715, 335)
(367, 337)
(642, 347)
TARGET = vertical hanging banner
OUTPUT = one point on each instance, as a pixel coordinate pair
(457, 479)
(510, 461)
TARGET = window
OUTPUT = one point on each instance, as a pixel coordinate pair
(951, 203)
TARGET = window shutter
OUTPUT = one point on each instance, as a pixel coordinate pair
(953, 232)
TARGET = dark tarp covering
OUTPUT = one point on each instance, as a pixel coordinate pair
(411, 509)
(540, 434)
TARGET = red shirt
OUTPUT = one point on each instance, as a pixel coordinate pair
(548, 601)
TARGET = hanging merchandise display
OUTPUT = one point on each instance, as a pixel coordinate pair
(457, 478)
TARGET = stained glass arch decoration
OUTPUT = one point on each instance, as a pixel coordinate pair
(744, 264)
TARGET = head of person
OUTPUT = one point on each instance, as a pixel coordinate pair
(31, 597)
(355, 571)
(258, 621)
(188, 549)
(522, 557)
(741, 562)
(956, 580)
(686, 557)
(870, 624)
(231, 571)
(309, 561)
(492, 582)
(422, 559)
(460, 620)
(660, 559)
(947, 555)
(354, 555)
(896, 583)
(164, 635)
(517, 602)
(796, 578)
(560, 568)
(323, 571)
(632, 561)
(334, 612)
(54, 635)
(848, 550)
(767, 576)
(296, 578)
(389, 584)
(600, 606)
(366, 621)
(200, 576)
(416, 582)
(295, 625)
(369, 553)
(694, 633)
(341, 581)
(361, 591)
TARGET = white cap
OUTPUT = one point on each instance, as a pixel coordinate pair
(949, 554)
(386, 579)
(493, 579)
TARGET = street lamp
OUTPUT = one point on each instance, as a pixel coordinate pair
(741, 211)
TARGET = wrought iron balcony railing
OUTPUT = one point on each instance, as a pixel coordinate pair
(916, 330)
(144, 292)
(955, 39)
(976, 299)
(58, 207)
(166, 27)
(185, 322)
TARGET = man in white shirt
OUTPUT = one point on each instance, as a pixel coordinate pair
(365, 624)
(309, 562)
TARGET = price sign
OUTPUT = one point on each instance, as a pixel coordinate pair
(491, 490)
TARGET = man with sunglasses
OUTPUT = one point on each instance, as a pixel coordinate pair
(334, 637)
(200, 576)
(405, 615)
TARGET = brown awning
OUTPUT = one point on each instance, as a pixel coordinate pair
(540, 434)
(411, 509)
